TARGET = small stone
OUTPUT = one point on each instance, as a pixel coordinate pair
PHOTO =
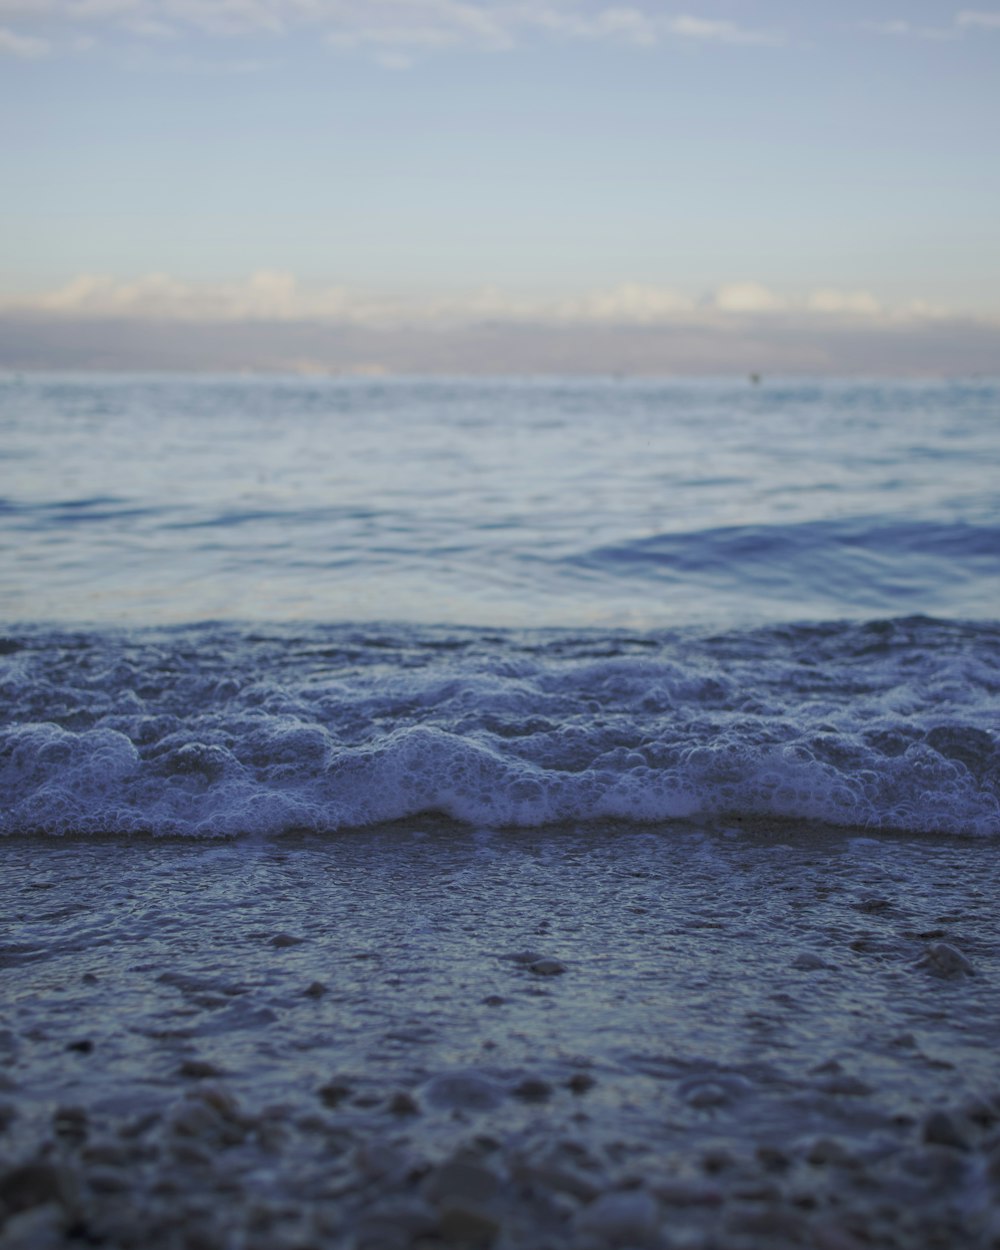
(396, 1222)
(30, 1185)
(108, 1180)
(82, 1047)
(873, 905)
(70, 1123)
(533, 1089)
(773, 1158)
(688, 1194)
(771, 1225)
(831, 1237)
(334, 1092)
(553, 1173)
(108, 1154)
(198, 1069)
(580, 1082)
(982, 1111)
(827, 1067)
(469, 1091)
(621, 1218)
(808, 962)
(466, 1223)
(942, 960)
(316, 990)
(88, 978)
(716, 1160)
(283, 940)
(37, 1228)
(460, 1178)
(547, 967)
(847, 1086)
(707, 1094)
(826, 1152)
(403, 1103)
(137, 1127)
(940, 1129)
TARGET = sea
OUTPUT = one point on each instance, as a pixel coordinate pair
(246, 607)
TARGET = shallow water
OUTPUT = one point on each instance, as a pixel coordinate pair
(565, 503)
(504, 742)
(774, 601)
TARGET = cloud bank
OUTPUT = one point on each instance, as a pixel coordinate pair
(276, 295)
(269, 323)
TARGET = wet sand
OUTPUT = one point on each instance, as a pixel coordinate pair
(426, 1037)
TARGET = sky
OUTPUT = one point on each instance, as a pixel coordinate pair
(445, 164)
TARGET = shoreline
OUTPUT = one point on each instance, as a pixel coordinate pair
(582, 1037)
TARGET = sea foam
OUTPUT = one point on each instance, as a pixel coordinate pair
(210, 732)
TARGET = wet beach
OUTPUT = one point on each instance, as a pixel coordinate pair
(426, 1036)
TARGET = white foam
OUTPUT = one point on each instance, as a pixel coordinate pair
(506, 735)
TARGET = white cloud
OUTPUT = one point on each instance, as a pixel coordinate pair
(719, 32)
(25, 47)
(979, 17)
(853, 303)
(907, 30)
(275, 295)
(964, 21)
(392, 29)
(748, 297)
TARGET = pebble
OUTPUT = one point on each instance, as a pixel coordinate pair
(283, 940)
(461, 1178)
(942, 960)
(688, 1194)
(552, 1173)
(941, 1129)
(847, 1086)
(70, 1123)
(38, 1228)
(466, 1223)
(210, 1116)
(316, 990)
(198, 1069)
(716, 1160)
(30, 1185)
(873, 905)
(396, 1223)
(621, 1219)
(808, 962)
(826, 1152)
(334, 1092)
(773, 1158)
(547, 967)
(403, 1103)
(466, 1090)
(708, 1095)
(533, 1089)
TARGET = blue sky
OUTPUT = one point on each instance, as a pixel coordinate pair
(375, 154)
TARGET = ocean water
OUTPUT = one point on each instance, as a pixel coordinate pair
(239, 607)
